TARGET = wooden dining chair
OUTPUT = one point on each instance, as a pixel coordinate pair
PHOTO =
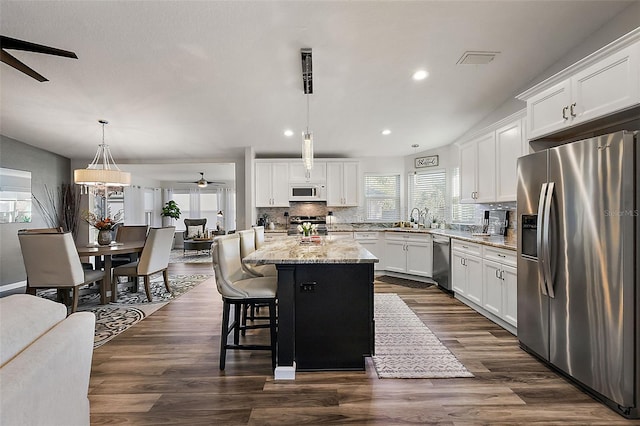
(238, 288)
(153, 259)
(51, 261)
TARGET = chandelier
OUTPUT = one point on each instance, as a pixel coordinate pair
(307, 136)
(102, 171)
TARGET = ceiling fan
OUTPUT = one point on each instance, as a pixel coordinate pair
(202, 182)
(15, 44)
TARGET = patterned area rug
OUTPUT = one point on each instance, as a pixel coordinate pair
(130, 308)
(406, 348)
(190, 256)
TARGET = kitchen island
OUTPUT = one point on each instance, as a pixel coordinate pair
(325, 303)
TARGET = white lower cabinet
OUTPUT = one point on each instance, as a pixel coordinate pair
(371, 242)
(409, 253)
(485, 278)
(466, 267)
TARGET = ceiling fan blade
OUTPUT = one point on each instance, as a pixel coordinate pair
(13, 62)
(12, 43)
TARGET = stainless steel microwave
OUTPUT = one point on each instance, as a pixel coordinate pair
(307, 192)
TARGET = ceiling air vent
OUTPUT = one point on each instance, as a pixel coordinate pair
(476, 58)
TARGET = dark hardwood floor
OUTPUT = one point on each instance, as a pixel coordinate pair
(164, 370)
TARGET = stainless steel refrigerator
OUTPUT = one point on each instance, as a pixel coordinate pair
(578, 252)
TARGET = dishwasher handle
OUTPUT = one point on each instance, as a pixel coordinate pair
(442, 240)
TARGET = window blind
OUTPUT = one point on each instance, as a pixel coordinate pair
(429, 190)
(460, 212)
(382, 197)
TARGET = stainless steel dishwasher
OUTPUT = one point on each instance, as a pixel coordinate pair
(442, 261)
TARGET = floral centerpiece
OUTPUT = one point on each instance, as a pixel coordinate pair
(104, 225)
(307, 228)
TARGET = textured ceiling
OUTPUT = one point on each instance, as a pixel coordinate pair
(196, 81)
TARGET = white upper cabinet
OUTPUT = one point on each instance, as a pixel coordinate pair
(298, 174)
(488, 162)
(477, 169)
(272, 184)
(342, 183)
(509, 147)
(603, 83)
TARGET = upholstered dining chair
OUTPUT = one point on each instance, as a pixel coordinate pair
(129, 234)
(193, 227)
(153, 259)
(51, 261)
(238, 288)
(259, 232)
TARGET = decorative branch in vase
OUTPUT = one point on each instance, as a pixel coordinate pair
(61, 208)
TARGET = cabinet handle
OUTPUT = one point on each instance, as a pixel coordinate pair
(564, 113)
(573, 105)
(502, 275)
(501, 255)
(497, 275)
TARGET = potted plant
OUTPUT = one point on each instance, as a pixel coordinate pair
(171, 210)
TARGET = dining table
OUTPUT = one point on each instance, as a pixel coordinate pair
(107, 251)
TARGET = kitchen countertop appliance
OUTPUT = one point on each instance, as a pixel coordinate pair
(442, 262)
(578, 257)
(294, 221)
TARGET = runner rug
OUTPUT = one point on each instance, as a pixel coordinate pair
(406, 348)
(130, 308)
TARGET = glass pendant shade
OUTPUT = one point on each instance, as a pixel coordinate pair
(102, 171)
(307, 150)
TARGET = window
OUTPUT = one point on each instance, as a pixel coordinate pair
(182, 199)
(429, 190)
(209, 209)
(382, 197)
(459, 212)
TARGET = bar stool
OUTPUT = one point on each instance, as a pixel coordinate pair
(238, 288)
(248, 246)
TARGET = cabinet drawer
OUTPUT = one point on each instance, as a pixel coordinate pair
(465, 247)
(503, 256)
(408, 237)
(365, 235)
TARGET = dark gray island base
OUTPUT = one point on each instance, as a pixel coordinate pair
(325, 304)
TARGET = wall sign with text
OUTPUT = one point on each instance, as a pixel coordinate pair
(428, 161)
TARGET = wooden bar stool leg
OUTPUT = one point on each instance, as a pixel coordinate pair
(236, 323)
(224, 333)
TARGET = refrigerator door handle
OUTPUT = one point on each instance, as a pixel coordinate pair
(546, 237)
(542, 281)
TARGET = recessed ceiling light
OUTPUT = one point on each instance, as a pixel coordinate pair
(288, 133)
(420, 75)
(386, 132)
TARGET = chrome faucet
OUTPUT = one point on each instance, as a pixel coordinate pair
(422, 214)
(417, 220)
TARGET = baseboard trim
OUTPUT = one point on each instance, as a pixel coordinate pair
(13, 286)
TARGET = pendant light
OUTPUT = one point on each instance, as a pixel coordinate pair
(103, 170)
(307, 136)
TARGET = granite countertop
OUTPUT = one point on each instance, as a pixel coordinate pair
(289, 250)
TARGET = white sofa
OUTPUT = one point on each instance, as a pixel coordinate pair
(45, 362)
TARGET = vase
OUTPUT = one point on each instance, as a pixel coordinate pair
(306, 233)
(104, 237)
